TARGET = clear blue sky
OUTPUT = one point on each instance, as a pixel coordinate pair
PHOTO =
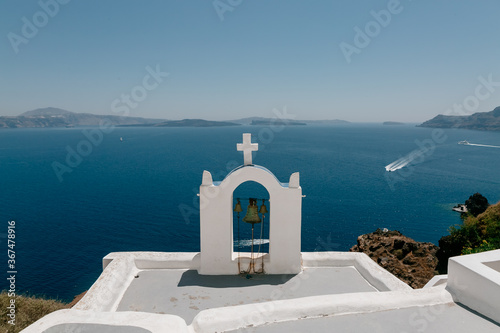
(262, 55)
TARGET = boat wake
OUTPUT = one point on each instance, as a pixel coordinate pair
(466, 143)
(248, 242)
(398, 164)
(404, 161)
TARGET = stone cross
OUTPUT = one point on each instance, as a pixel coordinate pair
(247, 147)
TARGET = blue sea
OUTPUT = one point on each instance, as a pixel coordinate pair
(139, 194)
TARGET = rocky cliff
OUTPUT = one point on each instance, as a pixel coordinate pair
(412, 262)
(484, 121)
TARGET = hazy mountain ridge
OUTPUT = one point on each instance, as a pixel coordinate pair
(186, 123)
(392, 123)
(276, 122)
(54, 117)
(50, 111)
(484, 121)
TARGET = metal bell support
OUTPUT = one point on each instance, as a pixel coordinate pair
(238, 210)
(251, 216)
(263, 210)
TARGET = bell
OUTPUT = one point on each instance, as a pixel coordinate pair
(263, 208)
(252, 215)
(238, 208)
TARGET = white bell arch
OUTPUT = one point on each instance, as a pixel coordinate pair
(216, 222)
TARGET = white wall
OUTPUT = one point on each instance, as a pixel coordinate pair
(475, 284)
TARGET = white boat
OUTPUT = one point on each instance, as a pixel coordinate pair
(465, 142)
(460, 208)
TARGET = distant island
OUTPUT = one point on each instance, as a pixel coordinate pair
(186, 123)
(392, 123)
(275, 122)
(483, 121)
(282, 121)
(55, 117)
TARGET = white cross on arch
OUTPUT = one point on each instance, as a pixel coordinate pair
(247, 147)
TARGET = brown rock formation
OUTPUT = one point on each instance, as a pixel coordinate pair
(412, 262)
(76, 299)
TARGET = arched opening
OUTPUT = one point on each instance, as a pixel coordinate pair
(251, 226)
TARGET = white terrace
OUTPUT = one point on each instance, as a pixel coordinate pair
(283, 290)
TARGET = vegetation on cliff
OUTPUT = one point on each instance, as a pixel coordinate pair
(479, 231)
(476, 204)
(27, 311)
(416, 263)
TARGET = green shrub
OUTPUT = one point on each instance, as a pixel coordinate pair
(476, 204)
(481, 233)
(28, 310)
(474, 235)
(483, 247)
